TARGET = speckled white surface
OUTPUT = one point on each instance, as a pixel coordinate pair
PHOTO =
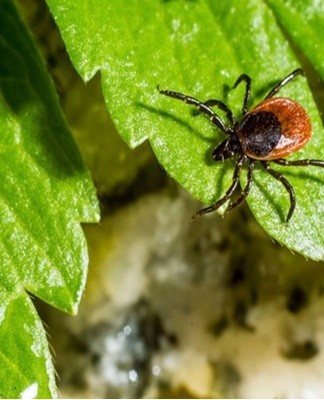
(220, 287)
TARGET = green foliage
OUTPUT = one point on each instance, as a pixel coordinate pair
(199, 48)
(303, 20)
(45, 192)
(26, 365)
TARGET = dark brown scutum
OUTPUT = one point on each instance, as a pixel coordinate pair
(259, 133)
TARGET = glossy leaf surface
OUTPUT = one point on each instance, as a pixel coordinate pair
(198, 48)
(45, 193)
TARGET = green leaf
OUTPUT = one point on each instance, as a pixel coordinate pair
(304, 22)
(26, 365)
(45, 192)
(198, 48)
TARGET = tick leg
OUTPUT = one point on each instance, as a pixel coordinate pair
(244, 78)
(277, 175)
(300, 163)
(222, 106)
(284, 82)
(214, 118)
(245, 191)
(228, 193)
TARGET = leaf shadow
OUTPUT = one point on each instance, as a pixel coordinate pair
(212, 143)
(301, 172)
(29, 95)
(275, 202)
(182, 122)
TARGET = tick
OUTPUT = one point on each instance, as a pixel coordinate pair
(272, 130)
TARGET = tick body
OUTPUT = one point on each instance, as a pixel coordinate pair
(272, 130)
